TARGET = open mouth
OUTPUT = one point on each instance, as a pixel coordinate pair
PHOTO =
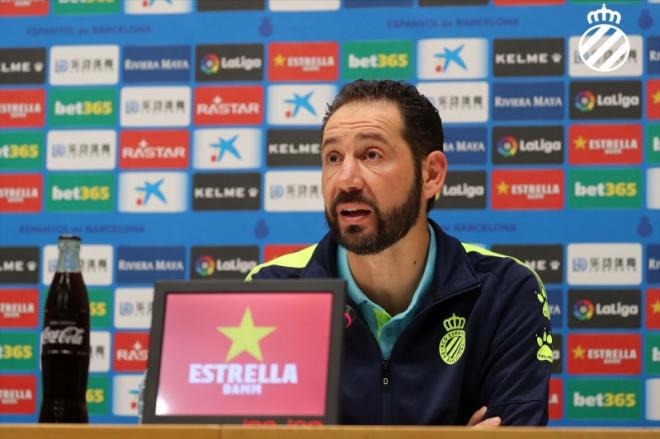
(353, 213)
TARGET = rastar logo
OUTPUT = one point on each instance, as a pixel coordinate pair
(166, 149)
(604, 399)
(382, 59)
(18, 394)
(618, 188)
(229, 105)
(81, 150)
(595, 354)
(247, 378)
(303, 61)
(653, 308)
(523, 190)
(452, 58)
(20, 192)
(596, 144)
(22, 108)
(23, 7)
(19, 308)
(131, 351)
(152, 192)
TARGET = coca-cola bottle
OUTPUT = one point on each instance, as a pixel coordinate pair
(65, 340)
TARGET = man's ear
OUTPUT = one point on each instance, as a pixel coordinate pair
(434, 171)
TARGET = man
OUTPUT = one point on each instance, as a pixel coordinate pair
(436, 330)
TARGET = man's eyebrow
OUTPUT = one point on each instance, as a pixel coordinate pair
(372, 136)
(328, 141)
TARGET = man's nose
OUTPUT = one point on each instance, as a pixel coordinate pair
(350, 176)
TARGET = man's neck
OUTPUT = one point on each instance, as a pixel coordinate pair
(391, 277)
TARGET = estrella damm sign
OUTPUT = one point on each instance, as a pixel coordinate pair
(21, 149)
(377, 60)
(83, 107)
(18, 350)
(616, 188)
(80, 192)
(604, 399)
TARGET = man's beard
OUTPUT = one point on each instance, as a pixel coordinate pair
(391, 226)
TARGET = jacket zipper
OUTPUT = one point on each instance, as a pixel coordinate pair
(385, 372)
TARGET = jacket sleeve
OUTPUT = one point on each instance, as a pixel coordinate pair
(516, 373)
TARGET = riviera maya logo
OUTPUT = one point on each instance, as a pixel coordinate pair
(604, 47)
(545, 350)
(452, 344)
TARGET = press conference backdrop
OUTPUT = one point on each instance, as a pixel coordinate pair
(180, 140)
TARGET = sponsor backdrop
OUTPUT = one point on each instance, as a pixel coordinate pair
(180, 140)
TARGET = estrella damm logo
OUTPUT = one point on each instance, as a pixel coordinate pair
(604, 399)
(452, 344)
(620, 188)
(97, 394)
(100, 305)
(21, 149)
(377, 60)
(80, 192)
(83, 107)
(18, 351)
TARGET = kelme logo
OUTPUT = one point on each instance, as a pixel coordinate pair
(80, 192)
(452, 344)
(88, 107)
(544, 353)
(604, 399)
(620, 188)
(21, 149)
(378, 59)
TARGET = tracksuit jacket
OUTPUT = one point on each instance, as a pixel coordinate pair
(481, 336)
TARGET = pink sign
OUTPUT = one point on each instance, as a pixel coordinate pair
(245, 354)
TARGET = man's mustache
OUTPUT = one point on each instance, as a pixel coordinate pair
(352, 197)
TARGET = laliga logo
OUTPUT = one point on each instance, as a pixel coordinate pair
(604, 47)
(507, 146)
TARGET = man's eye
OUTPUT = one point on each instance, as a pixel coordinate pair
(332, 158)
(373, 155)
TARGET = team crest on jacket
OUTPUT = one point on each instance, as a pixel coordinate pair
(452, 344)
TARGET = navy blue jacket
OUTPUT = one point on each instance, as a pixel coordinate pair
(498, 353)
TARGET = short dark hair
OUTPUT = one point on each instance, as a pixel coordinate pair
(422, 126)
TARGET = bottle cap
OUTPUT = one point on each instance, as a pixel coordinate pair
(72, 237)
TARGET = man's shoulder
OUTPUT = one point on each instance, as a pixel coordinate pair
(286, 266)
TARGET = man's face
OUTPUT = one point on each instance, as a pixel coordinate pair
(371, 186)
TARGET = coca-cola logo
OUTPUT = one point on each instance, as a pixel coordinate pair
(68, 335)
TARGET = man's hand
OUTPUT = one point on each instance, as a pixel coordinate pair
(477, 420)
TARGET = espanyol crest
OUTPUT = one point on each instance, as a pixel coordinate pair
(452, 344)
(604, 47)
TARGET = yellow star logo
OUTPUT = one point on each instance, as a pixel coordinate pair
(279, 60)
(656, 97)
(245, 337)
(578, 352)
(502, 188)
(656, 306)
(580, 143)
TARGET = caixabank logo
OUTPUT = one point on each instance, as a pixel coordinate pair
(125, 394)
(84, 65)
(21, 192)
(546, 260)
(133, 308)
(600, 399)
(465, 146)
(297, 61)
(227, 148)
(604, 264)
(21, 149)
(19, 308)
(528, 145)
(604, 309)
(604, 354)
(235, 191)
(452, 58)
(92, 107)
(299, 104)
(73, 150)
(225, 262)
(528, 57)
(605, 100)
(229, 62)
(156, 64)
(145, 265)
(605, 144)
(19, 265)
(290, 147)
(528, 101)
(18, 350)
(142, 149)
(155, 107)
(458, 102)
(96, 262)
(229, 105)
(23, 65)
(616, 188)
(80, 192)
(22, 108)
(152, 192)
(523, 190)
(377, 60)
(18, 394)
(131, 351)
(463, 190)
(24, 7)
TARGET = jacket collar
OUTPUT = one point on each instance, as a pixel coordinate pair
(453, 272)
